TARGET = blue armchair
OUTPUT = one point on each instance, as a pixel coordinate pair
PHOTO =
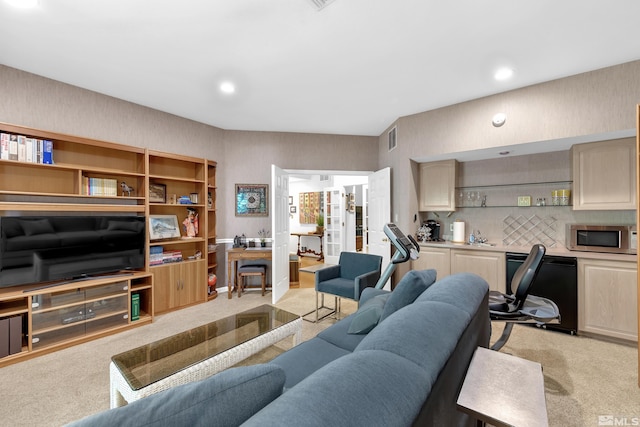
(355, 272)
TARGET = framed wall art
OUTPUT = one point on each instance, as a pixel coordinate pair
(157, 193)
(163, 227)
(252, 200)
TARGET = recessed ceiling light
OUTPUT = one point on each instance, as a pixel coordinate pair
(504, 73)
(23, 4)
(227, 87)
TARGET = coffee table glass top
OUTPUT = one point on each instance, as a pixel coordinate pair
(149, 363)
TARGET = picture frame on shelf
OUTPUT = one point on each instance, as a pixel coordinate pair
(157, 193)
(163, 227)
(252, 200)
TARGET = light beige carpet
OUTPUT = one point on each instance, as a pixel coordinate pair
(585, 378)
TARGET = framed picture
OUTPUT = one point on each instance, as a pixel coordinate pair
(292, 209)
(252, 200)
(290, 200)
(163, 227)
(157, 193)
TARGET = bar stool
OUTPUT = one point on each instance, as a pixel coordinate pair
(251, 270)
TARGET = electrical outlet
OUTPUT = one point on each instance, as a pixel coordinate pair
(524, 200)
(450, 227)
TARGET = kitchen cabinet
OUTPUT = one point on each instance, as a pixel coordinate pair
(604, 175)
(438, 259)
(489, 265)
(437, 186)
(607, 298)
(178, 285)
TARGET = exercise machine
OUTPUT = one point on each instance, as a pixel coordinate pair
(406, 249)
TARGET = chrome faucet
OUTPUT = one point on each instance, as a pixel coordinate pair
(479, 238)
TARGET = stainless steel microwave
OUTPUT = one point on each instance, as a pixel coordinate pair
(619, 239)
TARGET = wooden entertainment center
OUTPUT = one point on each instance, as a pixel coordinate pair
(81, 181)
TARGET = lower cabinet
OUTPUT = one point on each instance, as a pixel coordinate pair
(178, 285)
(438, 259)
(491, 266)
(608, 298)
(40, 320)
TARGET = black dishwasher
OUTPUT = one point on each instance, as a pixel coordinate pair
(556, 280)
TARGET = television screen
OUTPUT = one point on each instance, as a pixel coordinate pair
(35, 249)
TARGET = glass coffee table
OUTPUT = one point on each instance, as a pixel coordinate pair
(198, 353)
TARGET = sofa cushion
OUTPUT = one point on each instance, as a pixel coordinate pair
(337, 335)
(368, 388)
(464, 290)
(410, 286)
(227, 398)
(37, 226)
(306, 358)
(11, 227)
(424, 332)
(368, 315)
(124, 226)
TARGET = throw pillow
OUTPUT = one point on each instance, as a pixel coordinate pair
(11, 227)
(228, 398)
(412, 284)
(368, 316)
(123, 225)
(38, 226)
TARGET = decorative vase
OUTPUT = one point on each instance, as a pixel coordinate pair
(263, 244)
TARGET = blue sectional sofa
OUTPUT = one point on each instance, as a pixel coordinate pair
(400, 360)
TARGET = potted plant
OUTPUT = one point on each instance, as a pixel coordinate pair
(263, 237)
(320, 224)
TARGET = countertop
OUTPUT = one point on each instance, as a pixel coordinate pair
(555, 251)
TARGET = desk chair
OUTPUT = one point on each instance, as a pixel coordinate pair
(252, 270)
(522, 307)
(355, 272)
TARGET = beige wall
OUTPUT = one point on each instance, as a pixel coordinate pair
(597, 103)
(243, 157)
(594, 103)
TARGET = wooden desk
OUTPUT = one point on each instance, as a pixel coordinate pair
(320, 254)
(236, 254)
(504, 390)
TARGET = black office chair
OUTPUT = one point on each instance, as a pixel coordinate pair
(522, 307)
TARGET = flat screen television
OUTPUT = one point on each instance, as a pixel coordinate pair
(37, 249)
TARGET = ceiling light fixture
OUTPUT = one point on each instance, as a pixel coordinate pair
(23, 4)
(227, 87)
(503, 74)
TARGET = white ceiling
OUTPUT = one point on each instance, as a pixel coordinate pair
(352, 68)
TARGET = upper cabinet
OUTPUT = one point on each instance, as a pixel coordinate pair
(438, 186)
(604, 175)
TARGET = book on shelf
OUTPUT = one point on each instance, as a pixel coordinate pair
(25, 149)
(13, 147)
(99, 186)
(135, 306)
(4, 146)
(22, 148)
(155, 255)
(171, 256)
(47, 152)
